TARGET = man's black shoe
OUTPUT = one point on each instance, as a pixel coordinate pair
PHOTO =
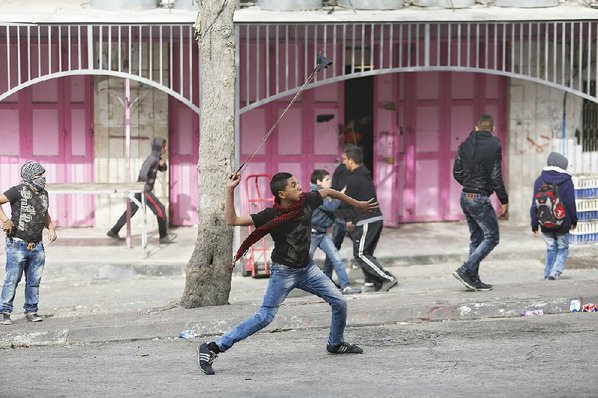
(166, 240)
(481, 286)
(344, 348)
(113, 235)
(388, 284)
(205, 357)
(464, 278)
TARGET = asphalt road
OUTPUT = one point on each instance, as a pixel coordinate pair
(545, 356)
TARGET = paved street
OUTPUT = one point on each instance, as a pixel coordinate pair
(549, 356)
(112, 323)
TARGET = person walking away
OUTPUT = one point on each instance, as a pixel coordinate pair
(560, 214)
(478, 168)
(24, 247)
(365, 229)
(148, 172)
(322, 219)
(289, 224)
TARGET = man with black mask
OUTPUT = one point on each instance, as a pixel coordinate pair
(25, 252)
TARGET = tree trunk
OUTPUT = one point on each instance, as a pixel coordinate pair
(208, 274)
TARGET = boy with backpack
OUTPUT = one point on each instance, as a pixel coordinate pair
(553, 210)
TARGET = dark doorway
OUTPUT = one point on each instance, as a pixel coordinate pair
(359, 116)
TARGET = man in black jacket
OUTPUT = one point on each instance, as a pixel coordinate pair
(365, 229)
(478, 168)
(149, 170)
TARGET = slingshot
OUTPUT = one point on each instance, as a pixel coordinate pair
(322, 62)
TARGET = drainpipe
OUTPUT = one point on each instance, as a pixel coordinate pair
(564, 127)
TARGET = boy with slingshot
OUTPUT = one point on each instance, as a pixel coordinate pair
(289, 224)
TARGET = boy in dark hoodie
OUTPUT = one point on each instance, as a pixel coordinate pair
(557, 240)
(152, 164)
(322, 218)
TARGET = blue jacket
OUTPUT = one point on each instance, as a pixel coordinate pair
(556, 175)
(323, 216)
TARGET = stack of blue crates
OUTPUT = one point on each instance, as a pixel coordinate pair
(586, 200)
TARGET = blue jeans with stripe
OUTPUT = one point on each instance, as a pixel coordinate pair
(19, 261)
(283, 279)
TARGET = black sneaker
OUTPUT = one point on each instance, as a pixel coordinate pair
(344, 348)
(481, 286)
(113, 235)
(168, 239)
(205, 357)
(6, 319)
(388, 284)
(33, 317)
(464, 278)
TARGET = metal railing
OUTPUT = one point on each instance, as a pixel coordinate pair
(278, 58)
(162, 56)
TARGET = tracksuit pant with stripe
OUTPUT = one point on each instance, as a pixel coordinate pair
(365, 240)
(154, 204)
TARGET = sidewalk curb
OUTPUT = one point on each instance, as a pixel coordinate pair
(306, 314)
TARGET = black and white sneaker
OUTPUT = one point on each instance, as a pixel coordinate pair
(481, 286)
(344, 348)
(388, 284)
(464, 278)
(6, 319)
(205, 357)
(33, 317)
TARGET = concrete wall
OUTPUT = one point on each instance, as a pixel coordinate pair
(535, 129)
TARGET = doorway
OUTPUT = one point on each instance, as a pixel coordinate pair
(359, 117)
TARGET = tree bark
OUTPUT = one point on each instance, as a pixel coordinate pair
(209, 270)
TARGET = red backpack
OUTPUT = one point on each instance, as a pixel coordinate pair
(550, 210)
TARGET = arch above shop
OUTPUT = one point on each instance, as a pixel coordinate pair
(161, 56)
(276, 59)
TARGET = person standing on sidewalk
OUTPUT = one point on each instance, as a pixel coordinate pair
(557, 239)
(149, 170)
(289, 224)
(478, 168)
(322, 219)
(24, 248)
(365, 229)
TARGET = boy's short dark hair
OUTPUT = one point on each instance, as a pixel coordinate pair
(318, 174)
(279, 183)
(485, 123)
(355, 153)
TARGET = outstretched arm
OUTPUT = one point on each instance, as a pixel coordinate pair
(360, 205)
(229, 206)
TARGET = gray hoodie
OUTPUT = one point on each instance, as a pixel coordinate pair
(151, 165)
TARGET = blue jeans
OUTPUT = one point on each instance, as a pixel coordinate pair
(324, 242)
(283, 279)
(339, 230)
(20, 260)
(557, 252)
(483, 230)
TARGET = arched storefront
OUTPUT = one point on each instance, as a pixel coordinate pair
(410, 90)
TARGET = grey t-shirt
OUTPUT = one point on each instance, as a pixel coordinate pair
(28, 212)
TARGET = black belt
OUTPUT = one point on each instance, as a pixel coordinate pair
(475, 195)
